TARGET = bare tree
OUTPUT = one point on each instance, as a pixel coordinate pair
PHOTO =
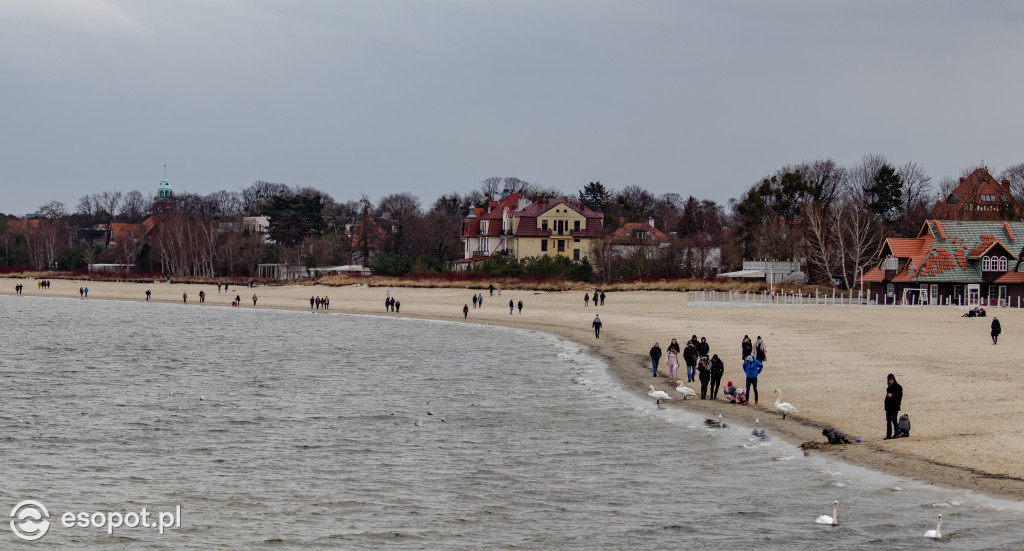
(133, 207)
(52, 210)
(490, 187)
(257, 195)
(110, 202)
(1015, 174)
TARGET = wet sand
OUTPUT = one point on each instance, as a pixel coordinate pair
(960, 391)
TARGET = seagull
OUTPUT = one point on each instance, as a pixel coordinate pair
(757, 420)
(721, 423)
(658, 395)
(392, 412)
(784, 407)
(431, 412)
(828, 389)
(419, 423)
(442, 418)
(202, 397)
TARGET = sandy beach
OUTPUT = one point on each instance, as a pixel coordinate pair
(959, 389)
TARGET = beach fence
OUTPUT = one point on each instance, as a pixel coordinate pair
(838, 298)
(797, 298)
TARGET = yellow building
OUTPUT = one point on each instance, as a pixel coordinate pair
(522, 229)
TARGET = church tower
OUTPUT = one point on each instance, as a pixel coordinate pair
(164, 200)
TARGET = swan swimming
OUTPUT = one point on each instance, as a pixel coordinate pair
(419, 423)
(658, 395)
(935, 534)
(830, 520)
(784, 407)
(686, 391)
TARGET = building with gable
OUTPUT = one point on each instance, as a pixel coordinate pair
(521, 228)
(952, 262)
(979, 196)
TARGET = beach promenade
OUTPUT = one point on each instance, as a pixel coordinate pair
(831, 362)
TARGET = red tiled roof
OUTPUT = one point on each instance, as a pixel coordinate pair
(1011, 277)
(626, 234)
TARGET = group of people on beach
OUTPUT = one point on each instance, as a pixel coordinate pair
(317, 302)
(709, 368)
(598, 296)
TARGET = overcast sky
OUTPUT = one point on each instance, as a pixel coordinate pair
(373, 97)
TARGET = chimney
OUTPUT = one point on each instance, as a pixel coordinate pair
(1006, 184)
(650, 222)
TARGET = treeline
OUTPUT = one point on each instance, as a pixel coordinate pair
(835, 217)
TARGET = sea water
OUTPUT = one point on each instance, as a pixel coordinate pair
(262, 429)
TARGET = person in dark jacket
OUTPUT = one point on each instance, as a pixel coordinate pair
(655, 357)
(835, 436)
(704, 348)
(893, 401)
(690, 357)
(704, 373)
(746, 347)
(904, 426)
(597, 326)
(752, 368)
(717, 369)
(760, 350)
(674, 345)
(996, 329)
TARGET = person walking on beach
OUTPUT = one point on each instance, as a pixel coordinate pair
(520, 307)
(184, 298)
(511, 306)
(673, 363)
(746, 347)
(586, 299)
(86, 292)
(202, 297)
(398, 307)
(254, 299)
(465, 311)
(602, 298)
(717, 369)
(690, 357)
(893, 401)
(480, 300)
(597, 326)
(760, 350)
(674, 345)
(704, 374)
(81, 294)
(474, 302)
(490, 289)
(752, 368)
(149, 295)
(996, 329)
(704, 348)
(655, 357)
(595, 298)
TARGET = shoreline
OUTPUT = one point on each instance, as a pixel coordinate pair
(959, 393)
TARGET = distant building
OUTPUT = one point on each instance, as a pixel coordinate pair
(769, 271)
(979, 196)
(258, 225)
(952, 262)
(520, 228)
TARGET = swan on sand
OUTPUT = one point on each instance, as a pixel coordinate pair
(686, 391)
(784, 407)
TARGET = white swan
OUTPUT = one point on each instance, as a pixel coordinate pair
(686, 391)
(830, 520)
(658, 395)
(784, 407)
(935, 534)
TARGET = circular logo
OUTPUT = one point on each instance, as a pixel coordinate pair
(29, 520)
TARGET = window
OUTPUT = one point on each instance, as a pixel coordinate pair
(544, 225)
(543, 245)
(890, 289)
(986, 264)
(576, 225)
(1002, 264)
(561, 246)
(575, 254)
